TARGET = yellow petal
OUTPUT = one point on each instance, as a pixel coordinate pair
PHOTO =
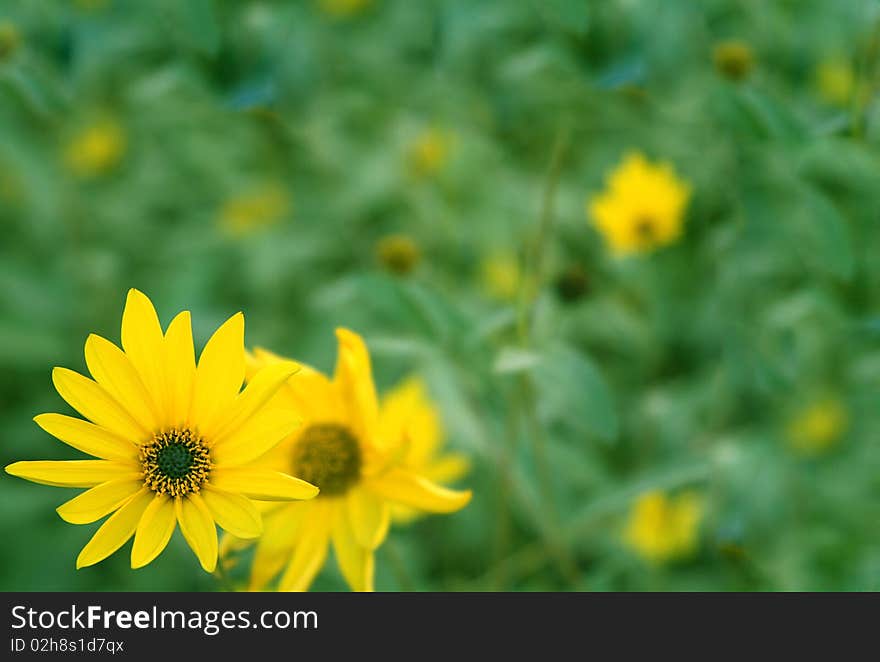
(219, 375)
(114, 371)
(354, 378)
(198, 528)
(448, 468)
(233, 512)
(273, 549)
(73, 473)
(310, 551)
(142, 342)
(355, 561)
(116, 531)
(412, 490)
(259, 391)
(93, 504)
(261, 484)
(153, 531)
(87, 437)
(93, 402)
(260, 434)
(369, 518)
(180, 368)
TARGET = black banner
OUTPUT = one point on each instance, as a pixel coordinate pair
(137, 626)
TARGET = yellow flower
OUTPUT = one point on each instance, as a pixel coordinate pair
(361, 476)
(408, 418)
(255, 209)
(10, 38)
(733, 59)
(343, 8)
(836, 81)
(664, 528)
(501, 276)
(96, 149)
(398, 253)
(818, 427)
(430, 152)
(642, 207)
(171, 437)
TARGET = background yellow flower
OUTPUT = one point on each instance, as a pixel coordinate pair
(664, 528)
(361, 475)
(818, 427)
(95, 149)
(642, 206)
(408, 418)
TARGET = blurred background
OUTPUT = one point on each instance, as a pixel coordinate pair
(702, 416)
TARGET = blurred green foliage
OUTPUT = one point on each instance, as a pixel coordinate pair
(251, 156)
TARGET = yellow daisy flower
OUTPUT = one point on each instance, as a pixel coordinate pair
(343, 8)
(171, 437)
(430, 152)
(255, 209)
(642, 207)
(818, 427)
(361, 475)
(663, 528)
(96, 149)
(501, 276)
(733, 59)
(836, 81)
(408, 417)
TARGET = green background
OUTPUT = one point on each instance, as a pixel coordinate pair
(677, 370)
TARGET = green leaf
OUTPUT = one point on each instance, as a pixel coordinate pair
(831, 241)
(572, 392)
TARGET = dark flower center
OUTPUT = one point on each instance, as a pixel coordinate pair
(175, 463)
(329, 456)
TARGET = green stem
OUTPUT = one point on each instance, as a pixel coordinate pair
(404, 580)
(866, 74)
(535, 260)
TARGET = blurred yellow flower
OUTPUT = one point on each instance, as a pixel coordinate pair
(430, 152)
(818, 427)
(501, 276)
(408, 418)
(343, 8)
(733, 59)
(10, 38)
(361, 475)
(172, 438)
(254, 210)
(96, 149)
(663, 528)
(398, 253)
(836, 81)
(642, 206)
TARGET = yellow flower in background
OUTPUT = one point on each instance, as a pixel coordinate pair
(10, 38)
(642, 206)
(430, 152)
(501, 276)
(91, 5)
(171, 437)
(836, 81)
(733, 59)
(96, 149)
(398, 253)
(254, 210)
(818, 427)
(360, 474)
(663, 528)
(343, 8)
(408, 418)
